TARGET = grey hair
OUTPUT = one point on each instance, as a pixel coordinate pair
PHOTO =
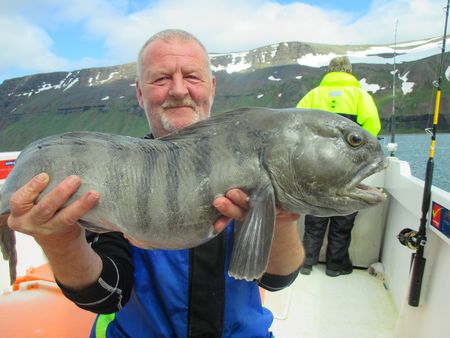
(168, 35)
(340, 64)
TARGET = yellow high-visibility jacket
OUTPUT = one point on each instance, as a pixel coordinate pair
(341, 93)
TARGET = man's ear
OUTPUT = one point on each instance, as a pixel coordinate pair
(139, 94)
(213, 89)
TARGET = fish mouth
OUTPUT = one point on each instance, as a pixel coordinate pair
(365, 193)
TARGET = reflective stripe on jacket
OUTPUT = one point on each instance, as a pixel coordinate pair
(341, 93)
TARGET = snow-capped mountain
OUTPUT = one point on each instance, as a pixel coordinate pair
(276, 75)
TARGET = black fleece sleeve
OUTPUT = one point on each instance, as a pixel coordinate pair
(113, 288)
(276, 282)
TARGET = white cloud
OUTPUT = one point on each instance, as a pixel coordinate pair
(417, 19)
(27, 26)
(25, 46)
(224, 26)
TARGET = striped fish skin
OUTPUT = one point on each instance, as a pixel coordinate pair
(160, 192)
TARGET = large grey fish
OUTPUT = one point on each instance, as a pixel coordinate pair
(160, 192)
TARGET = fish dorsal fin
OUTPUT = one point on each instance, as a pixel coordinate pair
(253, 237)
(223, 121)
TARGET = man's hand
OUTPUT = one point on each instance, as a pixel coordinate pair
(234, 205)
(46, 220)
(55, 228)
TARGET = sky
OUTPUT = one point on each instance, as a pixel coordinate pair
(40, 36)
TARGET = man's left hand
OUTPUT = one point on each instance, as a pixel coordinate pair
(234, 205)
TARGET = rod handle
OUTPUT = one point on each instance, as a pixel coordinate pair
(418, 267)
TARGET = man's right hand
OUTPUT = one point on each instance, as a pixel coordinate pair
(46, 220)
(55, 228)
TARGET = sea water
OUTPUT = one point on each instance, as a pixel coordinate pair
(415, 149)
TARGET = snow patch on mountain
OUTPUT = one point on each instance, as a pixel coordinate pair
(369, 87)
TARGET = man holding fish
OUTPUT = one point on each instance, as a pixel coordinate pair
(158, 293)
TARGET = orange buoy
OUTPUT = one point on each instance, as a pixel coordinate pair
(36, 307)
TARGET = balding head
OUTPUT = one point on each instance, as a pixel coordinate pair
(170, 35)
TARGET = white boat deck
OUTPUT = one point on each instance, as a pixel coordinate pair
(318, 306)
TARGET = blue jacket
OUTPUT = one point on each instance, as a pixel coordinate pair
(171, 298)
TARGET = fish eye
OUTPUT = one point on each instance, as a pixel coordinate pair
(354, 139)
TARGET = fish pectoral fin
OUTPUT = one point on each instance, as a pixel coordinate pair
(253, 237)
(8, 247)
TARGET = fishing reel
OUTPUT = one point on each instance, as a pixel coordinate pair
(411, 238)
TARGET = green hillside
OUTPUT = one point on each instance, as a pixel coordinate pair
(104, 99)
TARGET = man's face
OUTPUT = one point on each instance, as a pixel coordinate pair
(175, 87)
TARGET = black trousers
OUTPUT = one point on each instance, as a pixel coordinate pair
(339, 238)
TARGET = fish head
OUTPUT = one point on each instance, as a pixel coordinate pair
(321, 162)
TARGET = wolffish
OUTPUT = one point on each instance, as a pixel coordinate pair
(160, 192)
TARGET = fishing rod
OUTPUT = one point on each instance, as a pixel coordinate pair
(416, 240)
(392, 146)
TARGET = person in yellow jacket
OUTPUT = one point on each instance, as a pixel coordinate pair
(339, 92)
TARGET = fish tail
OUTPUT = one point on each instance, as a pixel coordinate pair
(8, 246)
(4, 205)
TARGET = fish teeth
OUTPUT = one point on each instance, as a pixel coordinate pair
(368, 194)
